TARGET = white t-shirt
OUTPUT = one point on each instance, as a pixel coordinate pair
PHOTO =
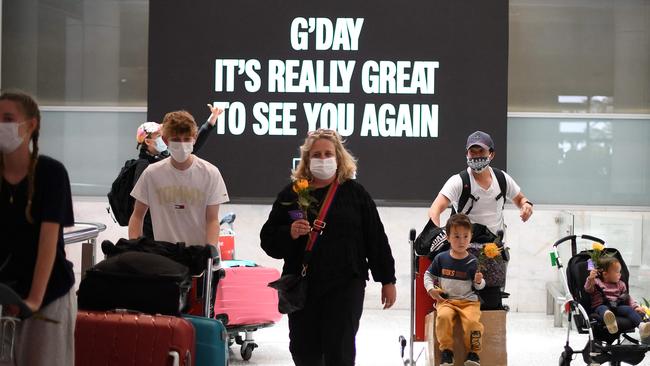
(486, 210)
(178, 199)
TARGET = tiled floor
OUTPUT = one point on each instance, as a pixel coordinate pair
(532, 341)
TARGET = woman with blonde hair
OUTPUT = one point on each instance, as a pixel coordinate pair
(345, 242)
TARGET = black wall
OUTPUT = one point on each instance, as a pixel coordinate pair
(469, 40)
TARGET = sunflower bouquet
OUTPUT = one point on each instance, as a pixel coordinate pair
(305, 201)
(492, 262)
(491, 251)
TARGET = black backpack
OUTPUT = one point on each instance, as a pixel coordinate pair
(466, 194)
(120, 195)
(423, 243)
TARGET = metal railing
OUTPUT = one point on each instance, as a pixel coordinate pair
(85, 233)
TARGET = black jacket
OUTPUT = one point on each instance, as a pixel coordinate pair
(352, 241)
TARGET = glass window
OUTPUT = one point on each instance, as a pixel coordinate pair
(92, 145)
(591, 161)
(85, 52)
(590, 56)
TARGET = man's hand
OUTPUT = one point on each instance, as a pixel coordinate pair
(388, 295)
(525, 211)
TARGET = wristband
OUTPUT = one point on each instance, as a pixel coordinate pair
(528, 202)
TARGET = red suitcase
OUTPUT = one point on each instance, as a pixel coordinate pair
(120, 338)
(244, 297)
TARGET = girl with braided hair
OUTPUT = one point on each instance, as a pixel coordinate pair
(35, 205)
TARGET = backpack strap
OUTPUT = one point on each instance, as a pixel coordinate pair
(466, 193)
(141, 165)
(503, 187)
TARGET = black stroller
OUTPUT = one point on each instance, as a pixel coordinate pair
(602, 346)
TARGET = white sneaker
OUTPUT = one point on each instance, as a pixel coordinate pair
(644, 332)
(610, 322)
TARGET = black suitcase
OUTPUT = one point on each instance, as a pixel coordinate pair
(145, 282)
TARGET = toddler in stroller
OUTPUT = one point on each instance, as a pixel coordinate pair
(603, 345)
(610, 298)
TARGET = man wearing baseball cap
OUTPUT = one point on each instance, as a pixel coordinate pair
(480, 192)
(483, 207)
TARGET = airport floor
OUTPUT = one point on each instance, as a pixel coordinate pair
(532, 341)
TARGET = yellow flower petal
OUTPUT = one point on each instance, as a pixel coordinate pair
(597, 246)
(300, 185)
(491, 250)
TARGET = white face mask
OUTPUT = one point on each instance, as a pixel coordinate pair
(10, 140)
(180, 151)
(323, 168)
(160, 145)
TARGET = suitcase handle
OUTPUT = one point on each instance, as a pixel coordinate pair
(174, 358)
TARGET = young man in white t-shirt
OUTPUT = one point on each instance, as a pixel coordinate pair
(485, 209)
(183, 192)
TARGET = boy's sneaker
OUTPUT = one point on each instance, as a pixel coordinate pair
(447, 358)
(610, 322)
(472, 360)
(644, 332)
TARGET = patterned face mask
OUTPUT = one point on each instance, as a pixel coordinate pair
(478, 164)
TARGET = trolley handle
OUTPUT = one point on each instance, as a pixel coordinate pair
(9, 297)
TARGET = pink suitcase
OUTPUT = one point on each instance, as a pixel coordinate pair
(120, 338)
(243, 296)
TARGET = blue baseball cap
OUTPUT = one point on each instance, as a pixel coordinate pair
(480, 138)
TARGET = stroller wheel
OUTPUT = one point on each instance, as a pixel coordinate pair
(565, 359)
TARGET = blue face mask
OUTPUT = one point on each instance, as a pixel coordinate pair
(160, 145)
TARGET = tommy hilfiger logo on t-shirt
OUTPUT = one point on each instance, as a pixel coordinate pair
(179, 207)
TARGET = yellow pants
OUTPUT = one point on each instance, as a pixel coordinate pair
(469, 313)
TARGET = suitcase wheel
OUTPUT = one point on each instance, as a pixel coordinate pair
(247, 350)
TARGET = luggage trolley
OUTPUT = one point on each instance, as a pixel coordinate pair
(9, 323)
(414, 268)
(243, 287)
(85, 233)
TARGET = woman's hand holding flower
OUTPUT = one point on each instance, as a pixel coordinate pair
(299, 228)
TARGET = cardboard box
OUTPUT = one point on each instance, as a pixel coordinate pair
(494, 347)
